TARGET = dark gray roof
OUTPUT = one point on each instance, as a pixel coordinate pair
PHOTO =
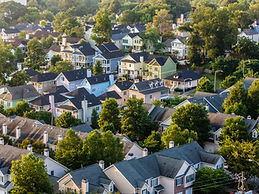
(74, 75)
(98, 79)
(58, 89)
(124, 85)
(110, 51)
(80, 92)
(145, 86)
(44, 77)
(216, 101)
(184, 74)
(31, 72)
(83, 128)
(11, 31)
(22, 92)
(132, 35)
(250, 32)
(44, 100)
(136, 56)
(118, 36)
(150, 91)
(248, 81)
(4, 170)
(85, 49)
(110, 94)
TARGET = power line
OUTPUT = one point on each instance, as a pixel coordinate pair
(213, 185)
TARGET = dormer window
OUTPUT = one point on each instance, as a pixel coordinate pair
(190, 178)
(154, 182)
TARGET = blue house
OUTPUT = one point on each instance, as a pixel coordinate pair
(109, 55)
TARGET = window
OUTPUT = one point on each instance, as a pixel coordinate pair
(154, 182)
(125, 41)
(62, 78)
(125, 93)
(144, 191)
(93, 89)
(52, 173)
(129, 65)
(190, 178)
(179, 181)
(150, 96)
(156, 69)
(2, 179)
(220, 166)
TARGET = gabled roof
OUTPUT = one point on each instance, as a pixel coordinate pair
(136, 57)
(74, 75)
(73, 40)
(248, 81)
(110, 51)
(110, 94)
(161, 60)
(132, 35)
(44, 100)
(250, 32)
(18, 42)
(83, 128)
(11, 31)
(21, 92)
(124, 85)
(43, 77)
(55, 47)
(31, 72)
(57, 89)
(85, 49)
(149, 84)
(184, 74)
(98, 79)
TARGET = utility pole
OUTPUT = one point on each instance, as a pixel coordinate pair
(242, 183)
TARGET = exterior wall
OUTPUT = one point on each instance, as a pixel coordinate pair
(123, 94)
(118, 43)
(70, 86)
(177, 84)
(132, 69)
(254, 37)
(136, 151)
(136, 94)
(43, 86)
(137, 44)
(181, 48)
(168, 184)
(121, 183)
(168, 68)
(127, 42)
(58, 170)
(149, 98)
(67, 184)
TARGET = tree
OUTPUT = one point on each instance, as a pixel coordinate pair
(235, 129)
(227, 65)
(228, 81)
(55, 59)
(47, 43)
(47, 15)
(157, 103)
(61, 66)
(37, 146)
(153, 142)
(193, 117)
(163, 21)
(253, 99)
(102, 30)
(69, 150)
(128, 17)
(21, 107)
(67, 120)
(94, 119)
(114, 6)
(43, 23)
(135, 120)
(207, 180)
(29, 175)
(179, 136)
(19, 55)
(237, 108)
(7, 139)
(247, 49)
(22, 35)
(45, 116)
(151, 37)
(35, 54)
(97, 68)
(32, 14)
(245, 66)
(204, 85)
(30, 114)
(19, 78)
(109, 118)
(237, 96)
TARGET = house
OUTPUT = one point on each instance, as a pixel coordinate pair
(55, 49)
(111, 94)
(88, 34)
(179, 48)
(132, 41)
(109, 56)
(44, 81)
(23, 2)
(183, 18)
(81, 104)
(121, 88)
(169, 171)
(160, 67)
(20, 43)
(184, 79)
(90, 179)
(9, 96)
(149, 90)
(8, 34)
(117, 39)
(31, 72)
(252, 34)
(9, 153)
(134, 64)
(136, 28)
(57, 89)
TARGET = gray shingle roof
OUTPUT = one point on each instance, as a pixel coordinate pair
(109, 94)
(98, 79)
(124, 85)
(184, 74)
(86, 49)
(44, 99)
(22, 92)
(74, 75)
(44, 77)
(110, 51)
(83, 128)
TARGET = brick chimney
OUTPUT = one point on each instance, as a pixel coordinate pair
(46, 152)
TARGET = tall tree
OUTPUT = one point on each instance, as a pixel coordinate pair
(253, 99)
(97, 68)
(35, 54)
(69, 150)
(227, 65)
(247, 49)
(102, 30)
(21, 107)
(153, 142)
(163, 21)
(228, 82)
(109, 118)
(19, 78)
(55, 59)
(204, 85)
(61, 66)
(94, 119)
(29, 175)
(193, 117)
(67, 120)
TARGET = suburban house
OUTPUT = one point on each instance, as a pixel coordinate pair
(9, 153)
(160, 67)
(88, 33)
(179, 48)
(252, 34)
(8, 34)
(55, 49)
(9, 96)
(149, 90)
(121, 88)
(19, 43)
(134, 64)
(132, 41)
(31, 72)
(81, 104)
(44, 81)
(90, 179)
(185, 79)
(136, 28)
(109, 56)
(168, 171)
(111, 94)
(118, 32)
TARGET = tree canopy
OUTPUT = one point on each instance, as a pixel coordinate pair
(67, 120)
(204, 85)
(61, 66)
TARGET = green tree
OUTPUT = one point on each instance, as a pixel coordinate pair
(30, 114)
(162, 21)
(179, 136)
(21, 107)
(19, 55)
(151, 38)
(67, 120)
(235, 129)
(253, 99)
(227, 65)
(35, 54)
(247, 49)
(7, 139)
(193, 117)
(43, 23)
(97, 68)
(228, 81)
(22, 34)
(55, 59)
(47, 15)
(153, 142)
(61, 66)
(69, 150)
(128, 17)
(207, 180)
(29, 175)
(46, 43)
(114, 6)
(37, 146)
(204, 85)
(109, 118)
(94, 119)
(135, 120)
(102, 30)
(45, 116)
(32, 14)
(157, 103)
(246, 66)
(19, 78)
(237, 108)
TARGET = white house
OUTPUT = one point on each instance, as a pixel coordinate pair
(178, 48)
(252, 34)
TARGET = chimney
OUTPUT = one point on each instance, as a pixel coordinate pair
(29, 147)
(84, 109)
(60, 138)
(45, 137)
(249, 117)
(89, 73)
(18, 132)
(64, 40)
(171, 144)
(101, 164)
(141, 59)
(85, 186)
(46, 152)
(1, 141)
(145, 152)
(5, 129)
(111, 79)
(52, 105)
(27, 37)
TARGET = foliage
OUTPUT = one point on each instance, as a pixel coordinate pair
(247, 65)
(102, 30)
(162, 21)
(7, 139)
(178, 135)
(204, 85)
(114, 6)
(109, 118)
(43, 23)
(19, 78)
(253, 99)
(247, 49)
(22, 35)
(209, 176)
(153, 142)
(47, 15)
(67, 120)
(227, 65)
(32, 15)
(157, 103)
(19, 55)
(40, 116)
(97, 68)
(151, 37)
(237, 108)
(128, 17)
(228, 81)
(20, 108)
(173, 101)
(35, 55)
(94, 119)
(33, 169)
(55, 59)
(61, 66)
(47, 43)
(37, 146)
(193, 117)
